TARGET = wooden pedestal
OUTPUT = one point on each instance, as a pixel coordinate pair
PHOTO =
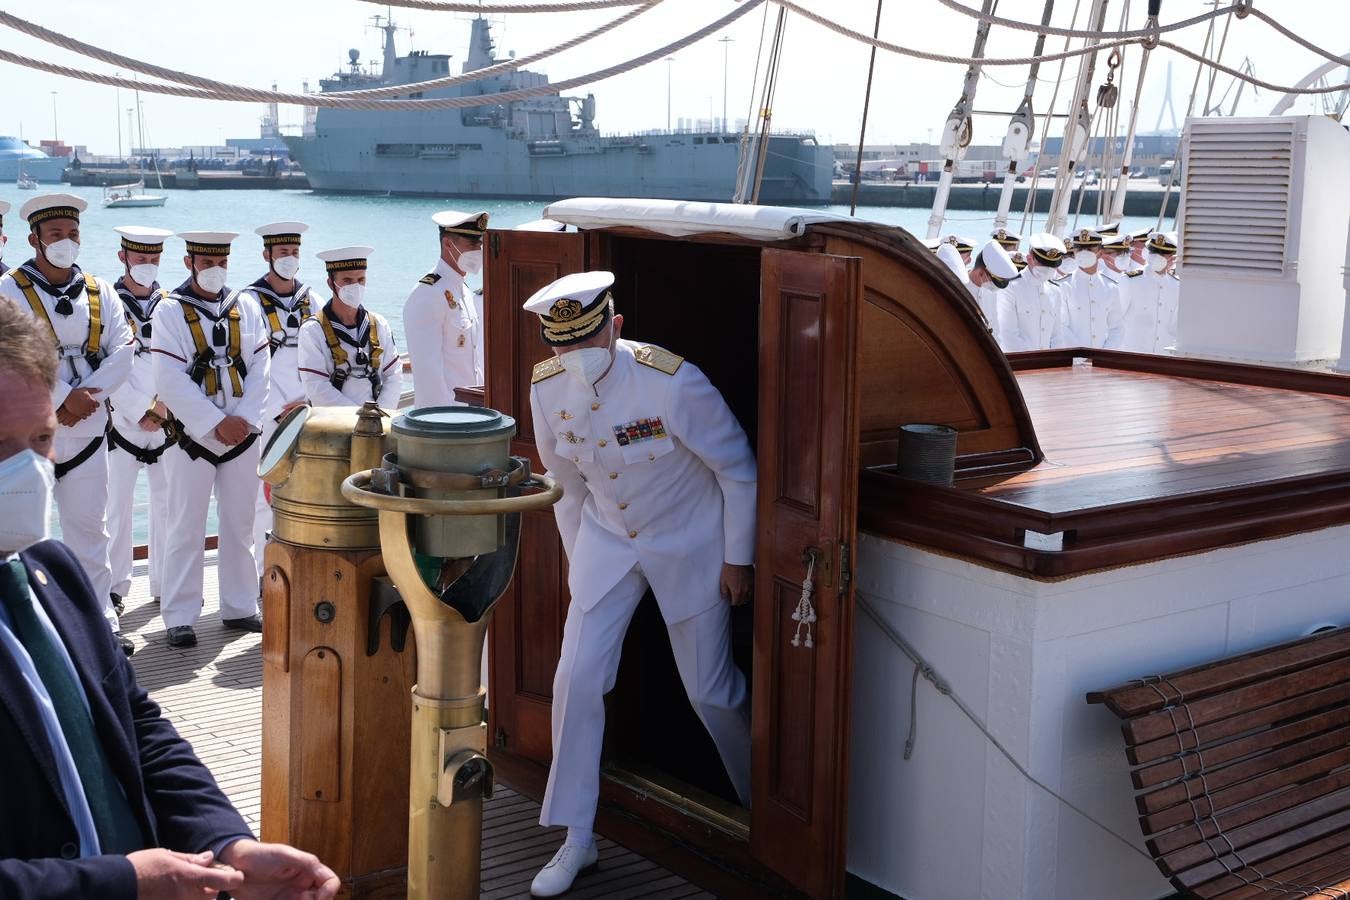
(336, 722)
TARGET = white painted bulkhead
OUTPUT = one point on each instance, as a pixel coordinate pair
(957, 821)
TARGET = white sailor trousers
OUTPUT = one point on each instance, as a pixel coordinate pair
(587, 667)
(190, 485)
(123, 472)
(82, 509)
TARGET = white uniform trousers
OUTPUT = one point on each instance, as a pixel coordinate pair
(592, 643)
(190, 485)
(262, 510)
(82, 509)
(123, 472)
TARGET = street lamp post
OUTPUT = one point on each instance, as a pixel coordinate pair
(56, 131)
(726, 43)
(669, 75)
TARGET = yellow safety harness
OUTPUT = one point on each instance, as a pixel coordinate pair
(91, 344)
(203, 371)
(272, 310)
(341, 367)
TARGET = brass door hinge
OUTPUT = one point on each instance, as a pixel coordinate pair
(845, 568)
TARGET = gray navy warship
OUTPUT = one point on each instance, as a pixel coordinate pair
(544, 148)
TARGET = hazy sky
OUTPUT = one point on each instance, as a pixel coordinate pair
(258, 42)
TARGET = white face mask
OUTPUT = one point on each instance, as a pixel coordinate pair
(471, 261)
(26, 483)
(1158, 261)
(352, 294)
(212, 280)
(145, 274)
(1086, 259)
(62, 254)
(1039, 273)
(286, 266)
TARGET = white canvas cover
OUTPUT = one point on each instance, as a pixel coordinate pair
(678, 218)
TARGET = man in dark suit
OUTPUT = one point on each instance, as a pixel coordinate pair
(99, 796)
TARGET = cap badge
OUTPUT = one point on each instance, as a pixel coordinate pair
(565, 310)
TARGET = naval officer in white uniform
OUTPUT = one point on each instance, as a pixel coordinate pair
(285, 303)
(1151, 299)
(1093, 315)
(990, 275)
(442, 323)
(211, 369)
(85, 316)
(659, 484)
(1031, 309)
(136, 436)
(347, 352)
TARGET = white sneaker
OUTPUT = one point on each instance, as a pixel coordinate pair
(570, 861)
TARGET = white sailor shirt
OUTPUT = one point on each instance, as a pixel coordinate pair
(286, 387)
(130, 402)
(444, 336)
(1029, 315)
(1150, 302)
(316, 362)
(1092, 312)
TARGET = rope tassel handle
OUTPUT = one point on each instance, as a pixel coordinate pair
(805, 613)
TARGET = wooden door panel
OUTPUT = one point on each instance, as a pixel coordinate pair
(808, 457)
(526, 632)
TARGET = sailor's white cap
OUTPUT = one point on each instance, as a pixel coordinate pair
(1047, 248)
(1009, 240)
(932, 243)
(208, 243)
(52, 206)
(1119, 243)
(572, 308)
(454, 221)
(951, 258)
(963, 245)
(541, 225)
(141, 239)
(1139, 234)
(1163, 242)
(1086, 239)
(340, 259)
(281, 233)
(1109, 228)
(996, 261)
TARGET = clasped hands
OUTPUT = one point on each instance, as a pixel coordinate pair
(248, 869)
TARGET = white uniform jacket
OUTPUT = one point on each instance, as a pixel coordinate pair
(174, 352)
(656, 471)
(1029, 315)
(1150, 302)
(444, 336)
(1092, 312)
(987, 298)
(316, 362)
(136, 396)
(284, 343)
(72, 332)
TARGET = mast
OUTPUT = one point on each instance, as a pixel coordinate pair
(1021, 128)
(1078, 128)
(1117, 209)
(957, 129)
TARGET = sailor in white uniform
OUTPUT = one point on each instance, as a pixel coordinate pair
(285, 303)
(442, 323)
(1093, 315)
(347, 352)
(1115, 258)
(1010, 241)
(1030, 311)
(990, 275)
(85, 315)
(659, 484)
(211, 364)
(950, 257)
(1151, 297)
(1139, 248)
(136, 435)
(4, 211)
(964, 246)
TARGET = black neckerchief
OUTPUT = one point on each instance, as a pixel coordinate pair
(139, 310)
(213, 308)
(286, 302)
(345, 333)
(65, 295)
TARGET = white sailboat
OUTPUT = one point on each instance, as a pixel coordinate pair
(24, 181)
(124, 196)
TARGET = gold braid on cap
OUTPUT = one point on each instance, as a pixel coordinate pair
(208, 249)
(272, 240)
(1049, 254)
(1160, 245)
(476, 228)
(53, 212)
(344, 265)
(567, 321)
(137, 247)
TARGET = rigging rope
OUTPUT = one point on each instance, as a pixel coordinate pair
(1018, 25)
(502, 8)
(1029, 209)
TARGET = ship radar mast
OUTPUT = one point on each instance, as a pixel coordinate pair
(385, 23)
(480, 46)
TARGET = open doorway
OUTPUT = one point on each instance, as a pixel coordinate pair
(702, 302)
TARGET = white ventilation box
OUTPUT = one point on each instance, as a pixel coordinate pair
(1265, 212)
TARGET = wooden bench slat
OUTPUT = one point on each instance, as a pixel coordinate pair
(1173, 767)
(1296, 866)
(1319, 873)
(1295, 706)
(1274, 853)
(1256, 696)
(1245, 780)
(1132, 700)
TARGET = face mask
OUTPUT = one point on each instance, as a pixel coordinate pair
(26, 483)
(1158, 261)
(1086, 259)
(286, 266)
(62, 254)
(352, 294)
(471, 261)
(212, 280)
(144, 274)
(1039, 273)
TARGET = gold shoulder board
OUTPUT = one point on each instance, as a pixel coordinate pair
(429, 278)
(1136, 273)
(658, 359)
(546, 369)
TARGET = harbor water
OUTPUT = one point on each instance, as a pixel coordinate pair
(399, 228)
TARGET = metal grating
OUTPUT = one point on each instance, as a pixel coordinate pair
(1238, 180)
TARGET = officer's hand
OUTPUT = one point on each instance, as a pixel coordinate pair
(738, 583)
(165, 875)
(232, 430)
(79, 403)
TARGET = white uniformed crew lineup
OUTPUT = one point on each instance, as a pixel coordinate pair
(188, 382)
